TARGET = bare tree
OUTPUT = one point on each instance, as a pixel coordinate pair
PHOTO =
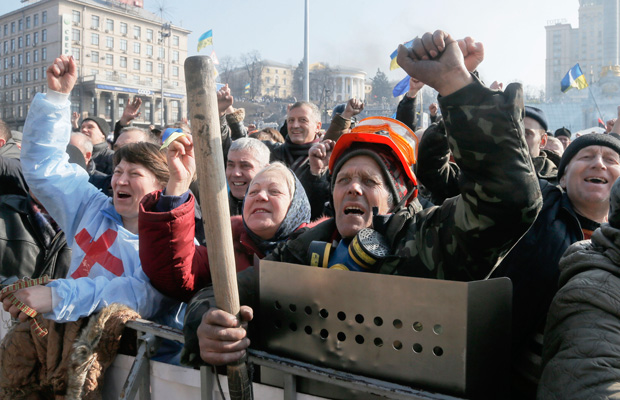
(253, 65)
(322, 85)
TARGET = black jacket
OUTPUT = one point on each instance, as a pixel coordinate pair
(103, 158)
(22, 243)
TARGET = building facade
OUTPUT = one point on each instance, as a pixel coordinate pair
(121, 51)
(595, 45)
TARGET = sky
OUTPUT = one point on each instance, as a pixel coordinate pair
(363, 33)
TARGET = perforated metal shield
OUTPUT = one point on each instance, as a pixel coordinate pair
(448, 336)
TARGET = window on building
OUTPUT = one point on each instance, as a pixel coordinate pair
(28, 93)
(160, 68)
(27, 22)
(44, 53)
(12, 61)
(109, 25)
(44, 35)
(149, 66)
(123, 28)
(124, 45)
(76, 51)
(75, 35)
(136, 79)
(94, 22)
(284, 81)
(136, 32)
(136, 47)
(6, 63)
(136, 64)
(94, 56)
(13, 27)
(35, 38)
(175, 71)
(267, 79)
(35, 56)
(28, 75)
(109, 59)
(149, 35)
(175, 40)
(27, 57)
(109, 42)
(162, 53)
(94, 39)
(20, 60)
(123, 62)
(20, 25)
(6, 29)
(94, 72)
(109, 75)
(20, 76)
(175, 55)
(28, 40)
(20, 42)
(6, 46)
(123, 76)
(12, 44)
(149, 50)
(6, 80)
(76, 17)
(147, 107)
(44, 17)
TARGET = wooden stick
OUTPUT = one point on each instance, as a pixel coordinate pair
(205, 123)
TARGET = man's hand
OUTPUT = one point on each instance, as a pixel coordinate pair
(62, 74)
(181, 164)
(354, 107)
(221, 339)
(131, 111)
(473, 53)
(38, 298)
(224, 100)
(496, 85)
(75, 118)
(414, 87)
(433, 109)
(318, 156)
(436, 60)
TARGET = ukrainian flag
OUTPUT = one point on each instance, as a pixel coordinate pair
(393, 63)
(206, 39)
(247, 88)
(574, 79)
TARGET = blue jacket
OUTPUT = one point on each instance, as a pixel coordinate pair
(105, 265)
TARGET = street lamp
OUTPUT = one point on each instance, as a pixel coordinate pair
(164, 33)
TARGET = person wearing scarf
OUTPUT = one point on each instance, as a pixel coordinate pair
(180, 267)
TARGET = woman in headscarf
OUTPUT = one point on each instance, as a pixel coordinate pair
(275, 207)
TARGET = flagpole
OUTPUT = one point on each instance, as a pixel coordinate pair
(595, 103)
(306, 52)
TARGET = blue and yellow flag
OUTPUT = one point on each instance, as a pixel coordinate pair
(205, 40)
(574, 79)
(247, 88)
(393, 63)
(401, 87)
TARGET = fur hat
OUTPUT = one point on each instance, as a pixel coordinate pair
(592, 139)
(101, 123)
(538, 115)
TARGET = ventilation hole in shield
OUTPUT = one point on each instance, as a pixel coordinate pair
(438, 329)
(359, 339)
(397, 345)
(417, 348)
(277, 305)
(378, 321)
(359, 318)
(324, 313)
(308, 310)
(277, 324)
(293, 326)
(324, 333)
(378, 342)
(398, 324)
(417, 326)
(308, 330)
(341, 336)
(438, 351)
(292, 307)
(342, 316)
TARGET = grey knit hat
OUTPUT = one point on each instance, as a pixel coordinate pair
(592, 139)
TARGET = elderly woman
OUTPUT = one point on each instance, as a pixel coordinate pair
(275, 206)
(102, 231)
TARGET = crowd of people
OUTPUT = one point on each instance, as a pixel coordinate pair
(485, 191)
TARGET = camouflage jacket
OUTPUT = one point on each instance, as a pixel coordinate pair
(466, 237)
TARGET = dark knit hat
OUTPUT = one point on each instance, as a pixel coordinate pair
(592, 139)
(536, 114)
(101, 123)
(397, 181)
(562, 132)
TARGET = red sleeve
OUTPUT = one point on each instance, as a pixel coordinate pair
(175, 265)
